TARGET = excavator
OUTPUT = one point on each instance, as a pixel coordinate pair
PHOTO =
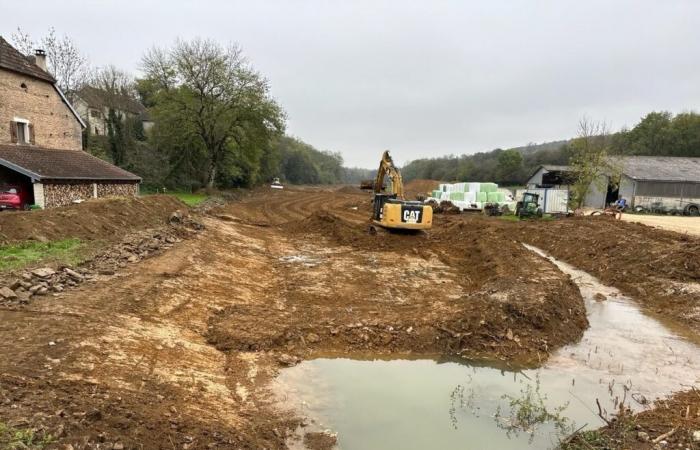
(392, 210)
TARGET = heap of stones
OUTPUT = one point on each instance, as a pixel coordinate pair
(132, 249)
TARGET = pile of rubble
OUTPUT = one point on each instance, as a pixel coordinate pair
(133, 248)
(42, 281)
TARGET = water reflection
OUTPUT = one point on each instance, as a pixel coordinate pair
(625, 356)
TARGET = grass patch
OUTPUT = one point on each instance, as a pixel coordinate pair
(186, 197)
(16, 438)
(16, 256)
(190, 199)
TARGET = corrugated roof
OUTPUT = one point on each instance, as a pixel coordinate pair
(12, 59)
(552, 168)
(661, 168)
(53, 164)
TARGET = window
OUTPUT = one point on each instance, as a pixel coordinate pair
(21, 135)
(22, 131)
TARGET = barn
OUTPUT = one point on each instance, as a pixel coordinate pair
(653, 183)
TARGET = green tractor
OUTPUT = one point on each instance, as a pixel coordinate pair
(528, 206)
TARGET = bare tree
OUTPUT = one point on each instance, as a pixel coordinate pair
(65, 61)
(589, 159)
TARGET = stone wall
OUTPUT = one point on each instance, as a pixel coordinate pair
(62, 194)
(55, 126)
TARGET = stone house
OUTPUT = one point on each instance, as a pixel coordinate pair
(93, 105)
(41, 138)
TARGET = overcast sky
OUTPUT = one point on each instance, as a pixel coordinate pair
(422, 78)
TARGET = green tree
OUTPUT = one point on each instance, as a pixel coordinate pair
(510, 163)
(216, 105)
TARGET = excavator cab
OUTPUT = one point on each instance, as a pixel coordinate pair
(391, 210)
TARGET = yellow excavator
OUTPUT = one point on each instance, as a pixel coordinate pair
(391, 210)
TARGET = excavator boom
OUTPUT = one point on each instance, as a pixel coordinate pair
(387, 168)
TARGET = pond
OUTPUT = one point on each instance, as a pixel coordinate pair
(432, 403)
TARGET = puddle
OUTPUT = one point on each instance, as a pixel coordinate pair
(305, 260)
(419, 404)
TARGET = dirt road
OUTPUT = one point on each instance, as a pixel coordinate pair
(689, 225)
(177, 351)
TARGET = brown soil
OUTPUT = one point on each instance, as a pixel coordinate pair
(672, 420)
(416, 187)
(178, 350)
(660, 269)
(98, 219)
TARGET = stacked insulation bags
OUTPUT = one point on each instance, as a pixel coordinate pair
(470, 195)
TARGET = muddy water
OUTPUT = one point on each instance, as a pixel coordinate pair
(419, 404)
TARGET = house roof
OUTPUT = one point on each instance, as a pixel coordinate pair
(99, 98)
(52, 164)
(552, 168)
(661, 168)
(12, 59)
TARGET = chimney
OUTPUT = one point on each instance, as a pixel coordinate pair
(40, 59)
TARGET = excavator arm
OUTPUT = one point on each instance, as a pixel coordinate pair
(387, 168)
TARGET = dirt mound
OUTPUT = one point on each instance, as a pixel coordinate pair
(658, 268)
(416, 187)
(350, 190)
(674, 421)
(99, 219)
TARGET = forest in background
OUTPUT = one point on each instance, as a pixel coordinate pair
(656, 134)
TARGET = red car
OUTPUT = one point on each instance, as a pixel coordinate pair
(14, 196)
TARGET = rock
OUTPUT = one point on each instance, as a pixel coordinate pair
(94, 414)
(23, 297)
(287, 360)
(44, 272)
(73, 274)
(312, 338)
(6, 292)
(132, 258)
(175, 217)
(27, 276)
(118, 446)
(42, 291)
(643, 436)
(25, 284)
(35, 288)
(599, 297)
(16, 284)
(696, 436)
(509, 334)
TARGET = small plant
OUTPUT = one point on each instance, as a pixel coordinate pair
(20, 438)
(528, 411)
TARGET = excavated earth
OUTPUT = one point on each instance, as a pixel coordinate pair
(177, 350)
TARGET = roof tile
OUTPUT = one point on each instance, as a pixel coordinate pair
(54, 164)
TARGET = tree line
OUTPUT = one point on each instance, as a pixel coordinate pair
(656, 134)
(215, 123)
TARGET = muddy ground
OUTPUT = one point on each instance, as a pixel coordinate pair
(177, 350)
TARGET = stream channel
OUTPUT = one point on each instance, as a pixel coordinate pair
(443, 404)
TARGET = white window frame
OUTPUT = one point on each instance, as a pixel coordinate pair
(25, 125)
